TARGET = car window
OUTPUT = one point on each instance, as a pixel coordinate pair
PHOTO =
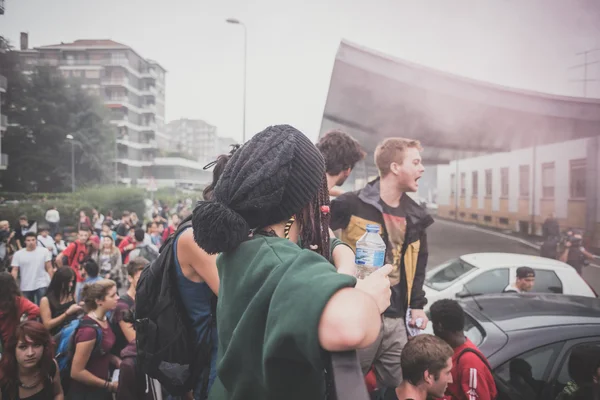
(580, 363)
(448, 273)
(547, 282)
(473, 331)
(494, 281)
(525, 375)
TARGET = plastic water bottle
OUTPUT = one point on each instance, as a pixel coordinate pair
(370, 252)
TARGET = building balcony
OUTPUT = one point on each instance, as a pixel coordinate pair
(149, 73)
(149, 91)
(151, 126)
(124, 102)
(149, 109)
(3, 83)
(135, 163)
(3, 161)
(147, 145)
(3, 122)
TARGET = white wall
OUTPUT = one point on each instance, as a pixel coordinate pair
(559, 153)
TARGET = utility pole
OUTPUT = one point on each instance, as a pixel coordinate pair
(585, 65)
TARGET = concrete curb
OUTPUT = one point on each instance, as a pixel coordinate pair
(497, 234)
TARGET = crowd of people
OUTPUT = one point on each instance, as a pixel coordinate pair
(261, 273)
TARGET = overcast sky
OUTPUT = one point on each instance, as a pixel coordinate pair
(292, 45)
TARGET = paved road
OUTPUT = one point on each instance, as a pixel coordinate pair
(449, 240)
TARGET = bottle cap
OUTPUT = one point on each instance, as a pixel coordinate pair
(372, 228)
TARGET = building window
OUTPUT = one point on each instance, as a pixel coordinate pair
(452, 184)
(475, 183)
(548, 180)
(504, 182)
(524, 181)
(577, 179)
(92, 73)
(488, 183)
(463, 186)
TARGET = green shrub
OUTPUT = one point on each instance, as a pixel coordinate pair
(103, 198)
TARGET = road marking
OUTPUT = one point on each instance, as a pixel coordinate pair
(497, 234)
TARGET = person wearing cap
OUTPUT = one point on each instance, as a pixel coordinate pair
(524, 283)
(282, 308)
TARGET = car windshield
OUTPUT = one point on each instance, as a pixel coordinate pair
(443, 276)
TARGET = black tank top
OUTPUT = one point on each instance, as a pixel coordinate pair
(47, 392)
(59, 310)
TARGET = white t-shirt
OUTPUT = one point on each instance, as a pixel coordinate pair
(32, 265)
(48, 243)
(99, 221)
(52, 216)
(511, 288)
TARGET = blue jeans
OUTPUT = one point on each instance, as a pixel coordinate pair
(35, 296)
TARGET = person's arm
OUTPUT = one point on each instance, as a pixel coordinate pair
(589, 255)
(49, 269)
(56, 385)
(343, 257)
(67, 252)
(417, 296)
(115, 361)
(350, 320)
(127, 329)
(14, 263)
(203, 263)
(59, 258)
(46, 314)
(565, 254)
(83, 352)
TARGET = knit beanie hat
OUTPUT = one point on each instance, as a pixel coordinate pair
(269, 179)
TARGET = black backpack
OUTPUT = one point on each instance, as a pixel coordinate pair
(167, 347)
(148, 253)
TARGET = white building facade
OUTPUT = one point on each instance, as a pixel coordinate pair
(520, 189)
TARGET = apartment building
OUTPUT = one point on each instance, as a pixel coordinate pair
(194, 138)
(131, 86)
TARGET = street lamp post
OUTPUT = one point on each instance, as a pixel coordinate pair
(238, 22)
(71, 139)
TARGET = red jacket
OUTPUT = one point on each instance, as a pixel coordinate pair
(472, 379)
(125, 253)
(8, 326)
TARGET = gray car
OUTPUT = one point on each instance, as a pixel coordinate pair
(528, 338)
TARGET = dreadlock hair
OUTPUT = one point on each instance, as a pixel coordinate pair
(314, 222)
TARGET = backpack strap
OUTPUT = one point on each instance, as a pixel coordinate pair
(478, 354)
(93, 324)
(72, 256)
(348, 380)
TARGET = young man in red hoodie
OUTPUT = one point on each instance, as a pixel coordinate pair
(471, 373)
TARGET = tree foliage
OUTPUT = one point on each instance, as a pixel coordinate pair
(43, 108)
